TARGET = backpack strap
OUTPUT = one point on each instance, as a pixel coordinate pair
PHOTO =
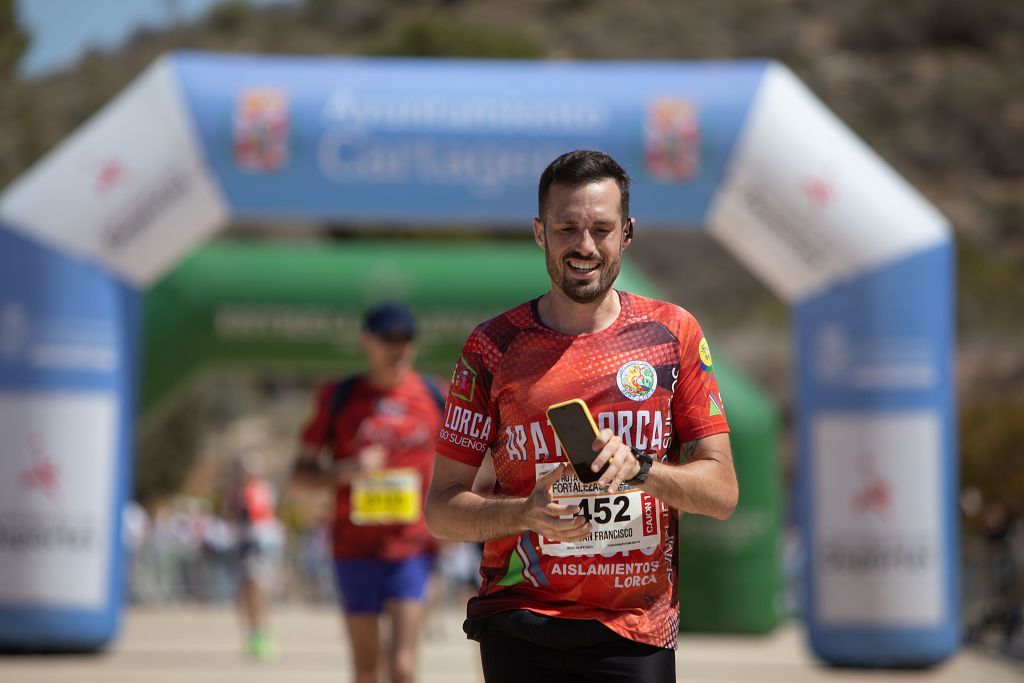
(435, 393)
(342, 391)
(339, 397)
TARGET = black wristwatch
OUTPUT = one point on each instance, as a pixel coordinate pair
(645, 460)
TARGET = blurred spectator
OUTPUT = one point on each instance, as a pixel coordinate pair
(1000, 531)
(135, 532)
(457, 580)
(259, 537)
(313, 563)
(217, 560)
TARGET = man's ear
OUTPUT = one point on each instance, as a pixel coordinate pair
(627, 232)
(538, 232)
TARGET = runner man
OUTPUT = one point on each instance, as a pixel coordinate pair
(579, 582)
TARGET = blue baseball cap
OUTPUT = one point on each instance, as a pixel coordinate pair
(390, 319)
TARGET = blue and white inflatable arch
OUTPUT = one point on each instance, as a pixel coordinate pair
(741, 149)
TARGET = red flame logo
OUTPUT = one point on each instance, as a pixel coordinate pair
(875, 495)
(42, 475)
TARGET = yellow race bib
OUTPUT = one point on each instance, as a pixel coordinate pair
(387, 497)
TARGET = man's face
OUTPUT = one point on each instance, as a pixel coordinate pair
(583, 238)
(389, 354)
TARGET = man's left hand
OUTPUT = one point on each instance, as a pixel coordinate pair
(622, 464)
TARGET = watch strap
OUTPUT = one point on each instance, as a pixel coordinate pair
(645, 460)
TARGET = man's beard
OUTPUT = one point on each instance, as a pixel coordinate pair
(582, 292)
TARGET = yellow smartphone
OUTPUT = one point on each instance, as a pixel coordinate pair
(576, 430)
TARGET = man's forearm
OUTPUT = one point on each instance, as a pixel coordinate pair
(703, 487)
(312, 475)
(315, 473)
(458, 514)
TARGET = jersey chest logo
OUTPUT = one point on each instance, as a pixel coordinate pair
(637, 380)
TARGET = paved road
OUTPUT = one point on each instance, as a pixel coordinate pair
(202, 644)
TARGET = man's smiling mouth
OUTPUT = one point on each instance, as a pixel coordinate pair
(582, 267)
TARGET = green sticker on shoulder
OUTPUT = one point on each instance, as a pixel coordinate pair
(463, 380)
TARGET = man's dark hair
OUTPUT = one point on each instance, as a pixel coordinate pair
(579, 167)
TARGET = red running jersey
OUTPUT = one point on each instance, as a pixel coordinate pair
(650, 379)
(259, 502)
(381, 516)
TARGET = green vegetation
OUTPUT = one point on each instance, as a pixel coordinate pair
(13, 41)
(431, 36)
(993, 460)
(991, 295)
(165, 454)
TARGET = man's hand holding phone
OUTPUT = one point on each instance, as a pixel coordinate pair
(549, 519)
(622, 464)
(594, 456)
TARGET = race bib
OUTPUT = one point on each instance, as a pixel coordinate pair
(387, 497)
(627, 519)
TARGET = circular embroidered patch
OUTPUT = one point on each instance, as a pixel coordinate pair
(705, 355)
(637, 380)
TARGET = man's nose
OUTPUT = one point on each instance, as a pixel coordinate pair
(586, 243)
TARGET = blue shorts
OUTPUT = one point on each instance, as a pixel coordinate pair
(365, 585)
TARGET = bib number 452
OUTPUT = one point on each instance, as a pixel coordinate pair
(604, 510)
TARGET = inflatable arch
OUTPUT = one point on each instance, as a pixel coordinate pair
(298, 306)
(741, 149)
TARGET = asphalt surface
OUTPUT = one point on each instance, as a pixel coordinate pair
(199, 644)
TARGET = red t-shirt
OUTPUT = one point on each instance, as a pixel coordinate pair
(381, 516)
(648, 377)
(259, 501)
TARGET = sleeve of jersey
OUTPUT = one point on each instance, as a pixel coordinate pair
(697, 409)
(315, 430)
(468, 426)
